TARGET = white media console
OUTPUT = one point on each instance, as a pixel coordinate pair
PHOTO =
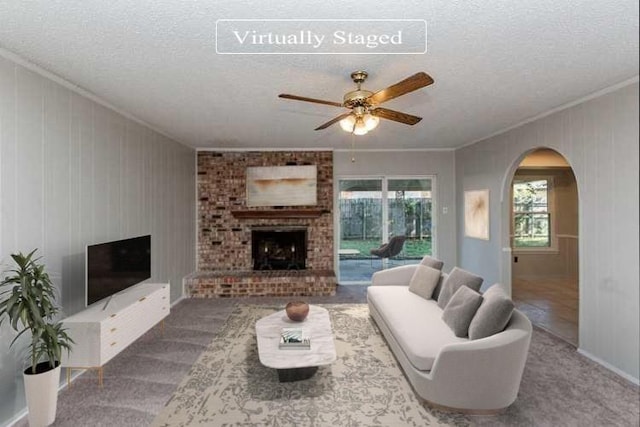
(105, 329)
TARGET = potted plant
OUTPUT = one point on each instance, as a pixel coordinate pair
(27, 301)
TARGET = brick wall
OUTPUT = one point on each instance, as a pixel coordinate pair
(227, 284)
(224, 242)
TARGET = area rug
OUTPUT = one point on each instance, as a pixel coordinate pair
(229, 386)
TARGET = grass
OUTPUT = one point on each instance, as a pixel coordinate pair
(531, 242)
(413, 248)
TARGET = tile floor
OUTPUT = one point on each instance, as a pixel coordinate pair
(359, 270)
(550, 303)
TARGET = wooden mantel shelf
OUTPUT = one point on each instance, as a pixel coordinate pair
(279, 213)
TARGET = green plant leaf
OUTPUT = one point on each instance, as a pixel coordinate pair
(30, 302)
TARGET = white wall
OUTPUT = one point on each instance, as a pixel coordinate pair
(72, 173)
(409, 163)
(599, 139)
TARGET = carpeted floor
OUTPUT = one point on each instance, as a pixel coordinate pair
(229, 386)
(559, 387)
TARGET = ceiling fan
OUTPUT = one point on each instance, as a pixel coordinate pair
(364, 105)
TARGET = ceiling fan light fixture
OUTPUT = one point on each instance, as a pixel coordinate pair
(370, 121)
(359, 124)
(347, 123)
(360, 127)
(365, 112)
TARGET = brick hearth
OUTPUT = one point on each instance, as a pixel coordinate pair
(226, 284)
(225, 224)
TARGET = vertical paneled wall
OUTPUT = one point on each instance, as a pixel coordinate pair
(72, 173)
(599, 139)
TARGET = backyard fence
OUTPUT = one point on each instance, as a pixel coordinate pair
(362, 218)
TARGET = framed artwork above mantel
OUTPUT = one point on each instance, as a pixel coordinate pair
(282, 186)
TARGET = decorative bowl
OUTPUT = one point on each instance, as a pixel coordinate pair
(297, 310)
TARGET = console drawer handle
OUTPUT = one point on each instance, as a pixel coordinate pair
(113, 315)
(113, 343)
(142, 299)
(113, 329)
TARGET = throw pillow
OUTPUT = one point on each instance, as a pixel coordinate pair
(432, 262)
(493, 315)
(436, 291)
(437, 264)
(458, 277)
(460, 310)
(424, 280)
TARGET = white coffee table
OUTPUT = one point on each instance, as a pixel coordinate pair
(296, 364)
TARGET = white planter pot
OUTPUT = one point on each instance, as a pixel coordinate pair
(42, 396)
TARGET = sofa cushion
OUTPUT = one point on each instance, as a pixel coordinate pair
(407, 316)
(461, 309)
(458, 277)
(432, 262)
(424, 281)
(493, 315)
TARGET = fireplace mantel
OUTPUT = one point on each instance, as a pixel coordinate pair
(278, 213)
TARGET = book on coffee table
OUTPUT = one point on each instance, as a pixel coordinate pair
(294, 338)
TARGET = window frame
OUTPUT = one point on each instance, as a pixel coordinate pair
(551, 211)
(385, 212)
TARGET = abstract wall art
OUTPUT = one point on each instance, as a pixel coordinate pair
(282, 186)
(476, 214)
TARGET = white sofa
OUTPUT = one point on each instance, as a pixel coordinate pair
(474, 376)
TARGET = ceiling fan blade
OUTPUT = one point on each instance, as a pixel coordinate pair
(332, 121)
(302, 98)
(396, 116)
(407, 85)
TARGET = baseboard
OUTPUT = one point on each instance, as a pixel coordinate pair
(610, 367)
(178, 300)
(16, 418)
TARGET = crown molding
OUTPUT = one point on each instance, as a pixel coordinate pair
(241, 150)
(394, 150)
(13, 57)
(593, 95)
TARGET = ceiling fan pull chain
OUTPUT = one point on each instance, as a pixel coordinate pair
(353, 156)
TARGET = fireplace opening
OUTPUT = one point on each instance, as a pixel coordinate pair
(281, 248)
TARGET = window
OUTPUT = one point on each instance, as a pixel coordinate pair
(532, 208)
(374, 209)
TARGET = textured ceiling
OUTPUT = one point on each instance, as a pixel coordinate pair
(494, 63)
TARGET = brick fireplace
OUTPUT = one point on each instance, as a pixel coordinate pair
(279, 248)
(270, 251)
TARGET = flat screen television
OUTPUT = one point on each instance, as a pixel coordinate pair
(114, 266)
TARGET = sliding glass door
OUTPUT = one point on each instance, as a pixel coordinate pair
(372, 211)
(361, 227)
(409, 213)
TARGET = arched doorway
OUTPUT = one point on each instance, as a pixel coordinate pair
(544, 242)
